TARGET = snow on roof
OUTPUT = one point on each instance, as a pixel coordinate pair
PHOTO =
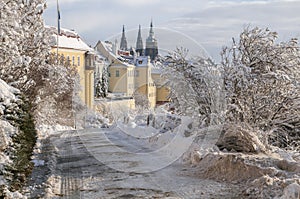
(109, 48)
(142, 61)
(157, 68)
(68, 39)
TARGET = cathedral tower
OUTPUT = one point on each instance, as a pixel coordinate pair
(151, 44)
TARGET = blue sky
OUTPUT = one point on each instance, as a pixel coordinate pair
(192, 23)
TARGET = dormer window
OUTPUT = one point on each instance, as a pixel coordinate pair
(140, 61)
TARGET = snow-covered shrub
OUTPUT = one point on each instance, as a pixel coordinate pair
(142, 103)
(196, 87)
(261, 80)
(18, 138)
(56, 102)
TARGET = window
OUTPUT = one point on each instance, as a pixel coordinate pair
(117, 73)
(73, 61)
(78, 61)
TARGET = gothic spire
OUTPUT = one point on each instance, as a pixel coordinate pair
(151, 32)
(123, 45)
(139, 42)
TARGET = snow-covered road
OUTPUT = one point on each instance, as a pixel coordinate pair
(106, 163)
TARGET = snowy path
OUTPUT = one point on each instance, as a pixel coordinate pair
(91, 166)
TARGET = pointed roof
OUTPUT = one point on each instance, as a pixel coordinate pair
(123, 44)
(139, 41)
(150, 38)
(151, 32)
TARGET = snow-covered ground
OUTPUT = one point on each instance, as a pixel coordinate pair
(134, 160)
(106, 163)
(150, 156)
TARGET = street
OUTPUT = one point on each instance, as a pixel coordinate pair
(107, 163)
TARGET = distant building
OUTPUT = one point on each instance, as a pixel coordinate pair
(151, 48)
(151, 45)
(135, 71)
(80, 55)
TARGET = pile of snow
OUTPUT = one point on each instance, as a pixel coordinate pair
(235, 138)
(264, 175)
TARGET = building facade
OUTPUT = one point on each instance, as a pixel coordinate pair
(144, 83)
(81, 56)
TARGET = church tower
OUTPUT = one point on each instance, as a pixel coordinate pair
(151, 44)
(139, 43)
(123, 45)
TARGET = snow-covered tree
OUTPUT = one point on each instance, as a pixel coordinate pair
(261, 79)
(196, 87)
(55, 101)
(101, 87)
(98, 90)
(26, 62)
(23, 43)
(142, 103)
(104, 81)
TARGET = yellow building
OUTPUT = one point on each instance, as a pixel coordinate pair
(143, 79)
(80, 55)
(133, 74)
(162, 91)
(121, 79)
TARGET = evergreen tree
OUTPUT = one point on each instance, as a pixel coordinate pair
(101, 87)
(104, 82)
(98, 89)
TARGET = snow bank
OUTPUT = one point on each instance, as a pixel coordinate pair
(46, 130)
(263, 175)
